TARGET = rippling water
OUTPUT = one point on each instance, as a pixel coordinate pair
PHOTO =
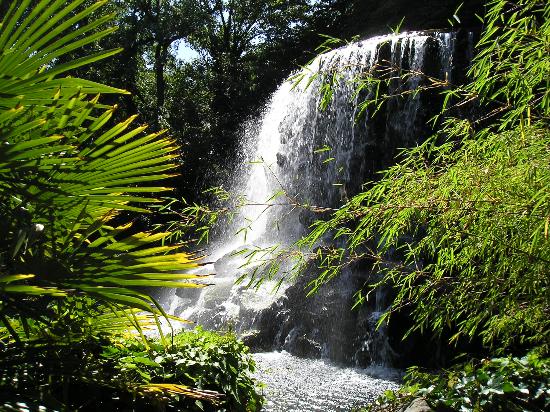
(313, 385)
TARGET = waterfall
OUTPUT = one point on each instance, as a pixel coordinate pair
(319, 157)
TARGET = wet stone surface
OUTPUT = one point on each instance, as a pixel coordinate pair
(294, 384)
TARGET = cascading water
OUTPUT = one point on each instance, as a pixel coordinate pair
(320, 157)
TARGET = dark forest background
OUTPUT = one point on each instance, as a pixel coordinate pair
(245, 48)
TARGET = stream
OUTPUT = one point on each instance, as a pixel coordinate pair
(294, 384)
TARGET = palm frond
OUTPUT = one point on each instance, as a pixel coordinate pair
(66, 172)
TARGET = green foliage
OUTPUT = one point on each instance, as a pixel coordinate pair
(459, 226)
(197, 371)
(499, 384)
(476, 221)
(198, 359)
(511, 67)
(65, 173)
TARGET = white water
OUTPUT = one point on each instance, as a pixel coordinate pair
(306, 385)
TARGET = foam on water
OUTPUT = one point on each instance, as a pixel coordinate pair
(299, 385)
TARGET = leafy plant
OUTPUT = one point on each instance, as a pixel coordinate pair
(498, 384)
(199, 371)
(65, 174)
(197, 359)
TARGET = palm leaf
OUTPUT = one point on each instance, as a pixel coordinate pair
(66, 171)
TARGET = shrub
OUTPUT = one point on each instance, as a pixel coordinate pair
(459, 227)
(498, 384)
(198, 371)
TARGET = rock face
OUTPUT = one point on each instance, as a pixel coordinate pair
(375, 17)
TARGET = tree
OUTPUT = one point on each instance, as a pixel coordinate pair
(230, 39)
(162, 23)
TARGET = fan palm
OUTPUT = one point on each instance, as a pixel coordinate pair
(66, 172)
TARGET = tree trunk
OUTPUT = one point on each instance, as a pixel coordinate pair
(161, 54)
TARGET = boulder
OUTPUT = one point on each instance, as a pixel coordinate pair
(419, 405)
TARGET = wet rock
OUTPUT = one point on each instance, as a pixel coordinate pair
(188, 295)
(306, 348)
(252, 339)
(375, 17)
(281, 160)
(228, 263)
(419, 405)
